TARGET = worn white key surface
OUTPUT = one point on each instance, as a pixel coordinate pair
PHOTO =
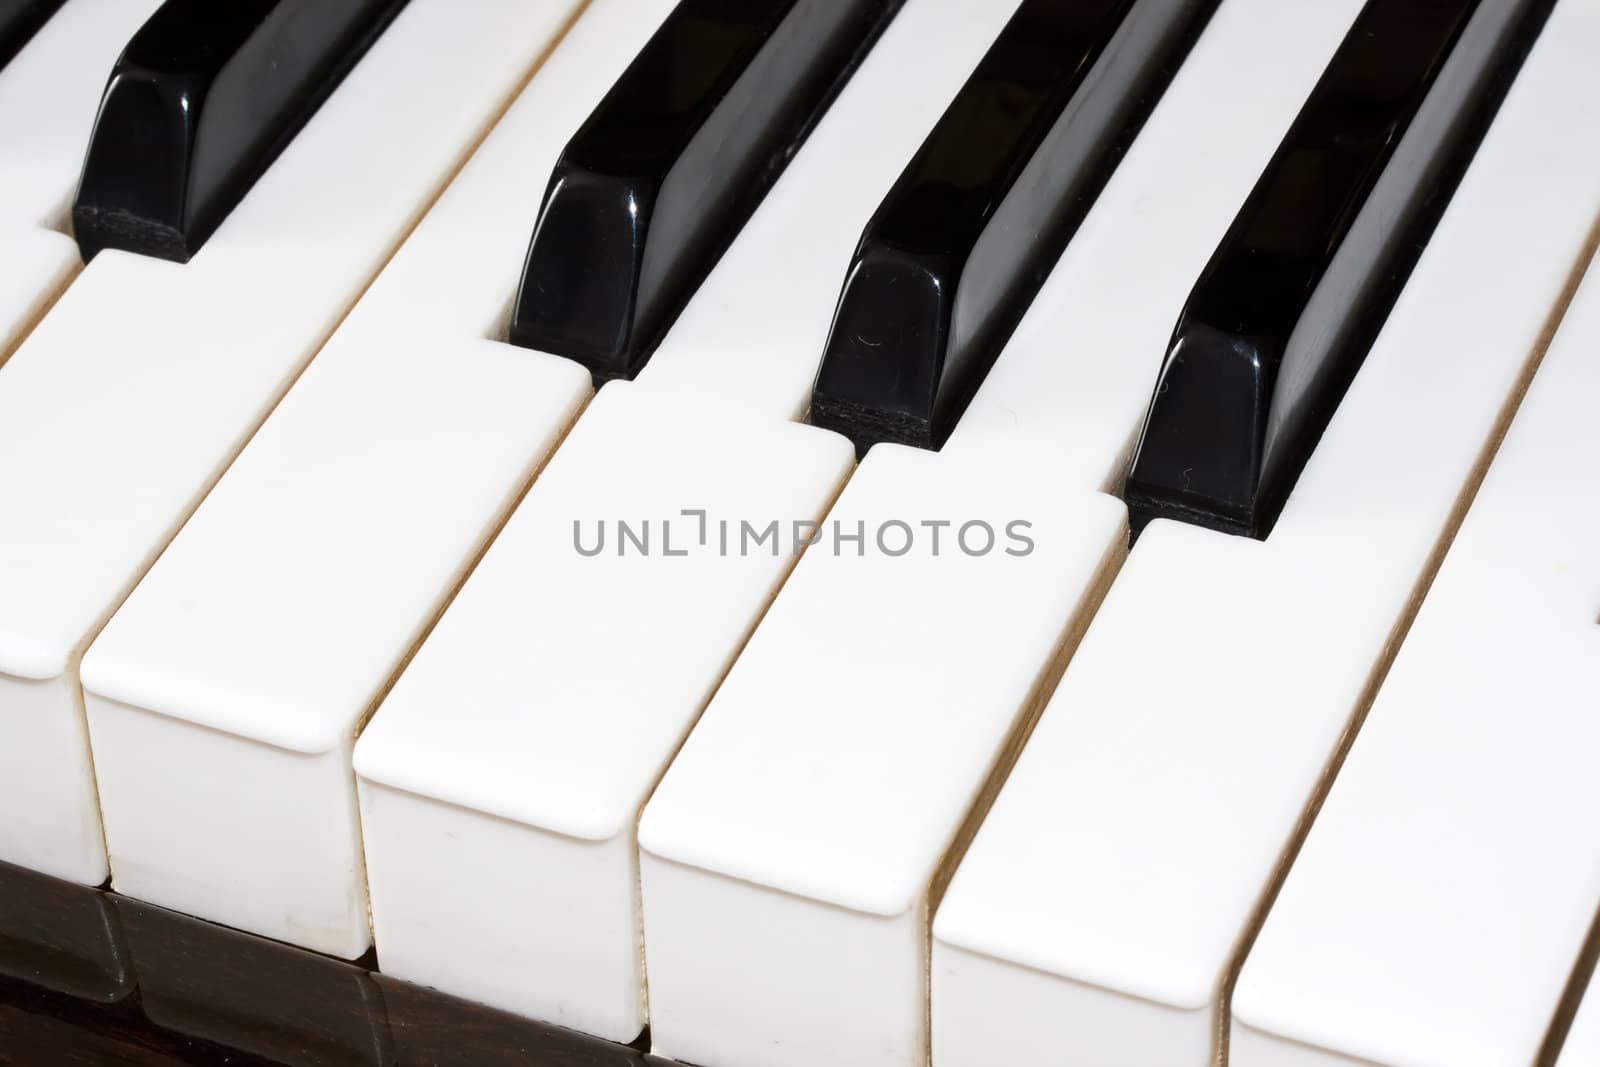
(1444, 894)
(789, 857)
(131, 396)
(1108, 889)
(48, 96)
(502, 777)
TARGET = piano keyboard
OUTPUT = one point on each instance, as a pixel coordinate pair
(789, 532)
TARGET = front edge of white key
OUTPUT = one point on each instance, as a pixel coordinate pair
(1129, 848)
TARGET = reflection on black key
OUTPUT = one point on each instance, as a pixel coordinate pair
(19, 21)
(1280, 321)
(245, 993)
(200, 103)
(661, 177)
(62, 937)
(957, 251)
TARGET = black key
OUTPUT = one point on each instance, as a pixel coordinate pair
(1283, 315)
(200, 103)
(19, 21)
(951, 260)
(659, 180)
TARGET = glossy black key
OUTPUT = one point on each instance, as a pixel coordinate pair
(957, 251)
(200, 103)
(1283, 315)
(19, 21)
(659, 180)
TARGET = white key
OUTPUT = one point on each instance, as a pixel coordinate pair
(133, 394)
(255, 648)
(260, 1001)
(36, 267)
(791, 855)
(48, 94)
(502, 778)
(1444, 894)
(1097, 915)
